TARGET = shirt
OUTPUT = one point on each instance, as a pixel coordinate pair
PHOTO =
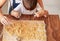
(20, 8)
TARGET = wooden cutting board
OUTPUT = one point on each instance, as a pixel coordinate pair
(52, 22)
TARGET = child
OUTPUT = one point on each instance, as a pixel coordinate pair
(24, 7)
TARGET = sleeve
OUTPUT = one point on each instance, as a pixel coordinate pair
(18, 8)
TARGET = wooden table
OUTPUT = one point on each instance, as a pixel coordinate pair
(52, 26)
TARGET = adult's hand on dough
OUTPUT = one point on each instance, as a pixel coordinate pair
(4, 20)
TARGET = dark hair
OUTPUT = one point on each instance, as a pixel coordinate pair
(29, 4)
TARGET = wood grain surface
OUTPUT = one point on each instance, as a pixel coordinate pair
(52, 25)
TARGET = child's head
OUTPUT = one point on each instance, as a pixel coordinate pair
(29, 4)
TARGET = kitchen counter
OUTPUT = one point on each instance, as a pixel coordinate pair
(52, 25)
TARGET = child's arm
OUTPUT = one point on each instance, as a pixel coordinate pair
(16, 11)
(2, 3)
(42, 12)
(15, 14)
(3, 19)
(41, 4)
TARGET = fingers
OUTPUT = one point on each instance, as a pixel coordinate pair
(46, 13)
(41, 13)
(36, 15)
(15, 14)
(4, 20)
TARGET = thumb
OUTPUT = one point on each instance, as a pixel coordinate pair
(36, 15)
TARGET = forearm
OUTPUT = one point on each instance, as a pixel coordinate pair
(1, 13)
(2, 2)
(41, 4)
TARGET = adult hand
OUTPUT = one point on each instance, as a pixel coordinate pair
(4, 20)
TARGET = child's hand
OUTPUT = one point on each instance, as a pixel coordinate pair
(15, 14)
(41, 13)
(4, 20)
